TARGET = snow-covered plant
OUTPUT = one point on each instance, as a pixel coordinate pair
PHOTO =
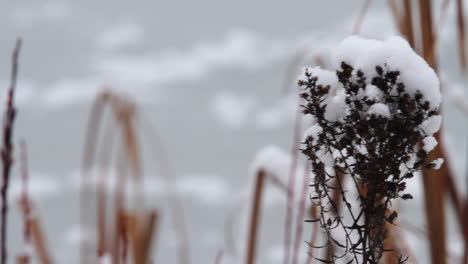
(374, 120)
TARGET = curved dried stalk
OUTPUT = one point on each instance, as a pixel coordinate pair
(124, 114)
(358, 24)
(175, 204)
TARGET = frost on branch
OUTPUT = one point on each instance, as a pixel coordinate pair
(370, 115)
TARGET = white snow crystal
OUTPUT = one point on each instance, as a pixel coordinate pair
(429, 143)
(438, 163)
(431, 125)
(379, 109)
(394, 54)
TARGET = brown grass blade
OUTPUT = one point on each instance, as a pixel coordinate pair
(428, 40)
(255, 215)
(148, 235)
(22, 260)
(37, 236)
(434, 187)
(434, 194)
(132, 223)
(407, 25)
(39, 242)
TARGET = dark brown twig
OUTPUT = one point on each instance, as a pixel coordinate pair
(7, 149)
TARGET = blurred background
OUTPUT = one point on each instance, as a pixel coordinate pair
(217, 81)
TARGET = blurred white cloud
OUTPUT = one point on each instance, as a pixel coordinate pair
(232, 110)
(120, 36)
(52, 11)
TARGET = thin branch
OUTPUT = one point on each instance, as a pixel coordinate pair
(7, 149)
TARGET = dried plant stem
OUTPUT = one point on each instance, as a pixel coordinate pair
(291, 184)
(255, 217)
(360, 18)
(177, 209)
(407, 26)
(301, 214)
(7, 149)
(434, 189)
(37, 236)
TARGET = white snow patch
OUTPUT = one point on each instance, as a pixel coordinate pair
(438, 163)
(336, 106)
(431, 125)
(429, 143)
(105, 259)
(380, 110)
(372, 92)
(393, 54)
(273, 160)
(314, 131)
